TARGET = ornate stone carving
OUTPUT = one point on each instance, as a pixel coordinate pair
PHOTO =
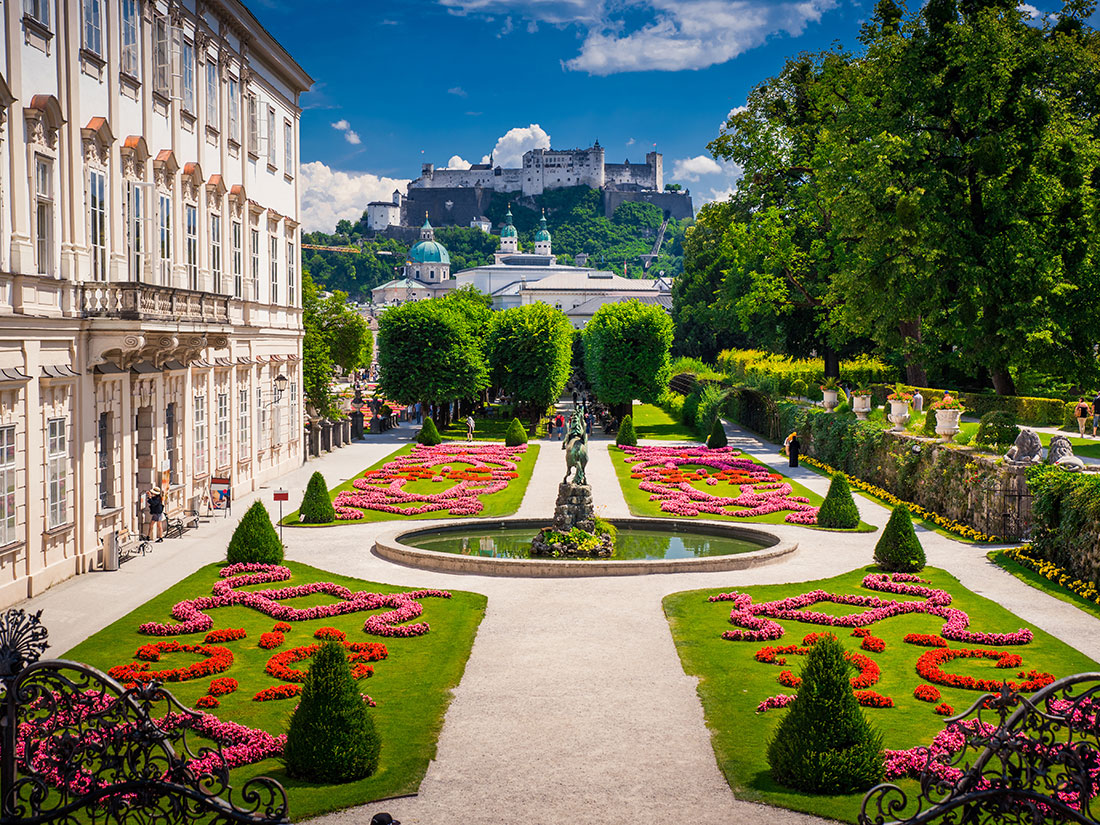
(1061, 454)
(1028, 449)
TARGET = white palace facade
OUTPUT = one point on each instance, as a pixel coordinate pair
(150, 321)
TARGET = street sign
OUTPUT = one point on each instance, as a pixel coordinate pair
(282, 495)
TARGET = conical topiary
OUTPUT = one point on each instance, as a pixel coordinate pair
(626, 435)
(331, 736)
(899, 549)
(316, 505)
(717, 437)
(825, 744)
(838, 511)
(255, 539)
(428, 435)
(515, 434)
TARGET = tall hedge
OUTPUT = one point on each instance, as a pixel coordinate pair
(515, 434)
(838, 510)
(825, 744)
(529, 349)
(331, 736)
(255, 539)
(898, 549)
(717, 437)
(1066, 513)
(316, 505)
(626, 435)
(429, 434)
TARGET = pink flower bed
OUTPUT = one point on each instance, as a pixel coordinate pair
(754, 627)
(661, 472)
(192, 617)
(489, 469)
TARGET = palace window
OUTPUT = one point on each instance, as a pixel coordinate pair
(253, 125)
(131, 49)
(137, 228)
(192, 213)
(234, 110)
(43, 214)
(243, 419)
(223, 429)
(288, 147)
(277, 425)
(261, 415)
(255, 264)
(171, 445)
(212, 118)
(97, 223)
(293, 409)
(39, 10)
(216, 251)
(164, 239)
(187, 76)
(291, 273)
(238, 272)
(200, 435)
(7, 485)
(93, 27)
(162, 65)
(273, 298)
(57, 472)
(270, 136)
(106, 476)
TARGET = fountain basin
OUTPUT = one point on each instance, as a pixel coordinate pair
(397, 545)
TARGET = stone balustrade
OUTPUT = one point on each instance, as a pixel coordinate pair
(145, 302)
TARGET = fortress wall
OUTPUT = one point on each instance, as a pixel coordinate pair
(678, 204)
(446, 207)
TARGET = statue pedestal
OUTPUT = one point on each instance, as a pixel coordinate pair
(574, 508)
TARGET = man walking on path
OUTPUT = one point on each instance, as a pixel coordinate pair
(1095, 413)
(470, 427)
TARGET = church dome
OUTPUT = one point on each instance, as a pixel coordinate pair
(429, 252)
(508, 231)
(543, 234)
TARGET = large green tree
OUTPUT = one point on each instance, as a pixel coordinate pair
(530, 349)
(335, 334)
(626, 348)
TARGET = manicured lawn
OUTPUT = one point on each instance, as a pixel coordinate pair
(732, 683)
(640, 504)
(487, 429)
(650, 421)
(412, 686)
(1026, 574)
(504, 503)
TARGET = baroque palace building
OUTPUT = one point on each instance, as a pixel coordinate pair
(150, 320)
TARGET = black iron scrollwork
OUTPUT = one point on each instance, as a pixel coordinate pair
(77, 746)
(1010, 759)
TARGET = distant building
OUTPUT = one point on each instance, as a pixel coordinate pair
(482, 223)
(427, 273)
(383, 214)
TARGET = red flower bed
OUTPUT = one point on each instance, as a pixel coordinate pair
(358, 654)
(277, 692)
(330, 634)
(943, 709)
(271, 640)
(861, 631)
(216, 660)
(926, 693)
(228, 634)
(281, 627)
(929, 666)
(869, 672)
(873, 644)
(222, 685)
(924, 640)
(870, 699)
(207, 702)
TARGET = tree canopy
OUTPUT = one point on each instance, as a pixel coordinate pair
(530, 349)
(626, 347)
(335, 334)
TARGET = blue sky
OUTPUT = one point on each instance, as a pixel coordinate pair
(404, 82)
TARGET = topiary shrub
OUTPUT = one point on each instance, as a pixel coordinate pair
(838, 511)
(255, 539)
(331, 736)
(429, 435)
(996, 428)
(316, 505)
(515, 434)
(626, 434)
(717, 437)
(825, 744)
(899, 549)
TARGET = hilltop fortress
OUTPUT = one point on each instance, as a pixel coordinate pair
(461, 196)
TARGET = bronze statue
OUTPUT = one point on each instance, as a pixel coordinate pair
(576, 448)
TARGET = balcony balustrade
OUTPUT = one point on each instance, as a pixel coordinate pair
(145, 302)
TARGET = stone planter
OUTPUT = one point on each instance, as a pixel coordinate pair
(829, 399)
(947, 423)
(861, 406)
(899, 414)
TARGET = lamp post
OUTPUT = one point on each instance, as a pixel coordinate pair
(357, 415)
(280, 387)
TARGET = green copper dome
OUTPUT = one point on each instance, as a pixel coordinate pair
(508, 231)
(543, 234)
(429, 252)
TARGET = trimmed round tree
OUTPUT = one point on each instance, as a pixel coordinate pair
(529, 349)
(515, 434)
(899, 550)
(838, 511)
(255, 539)
(626, 435)
(331, 736)
(429, 435)
(717, 437)
(316, 505)
(825, 744)
(626, 348)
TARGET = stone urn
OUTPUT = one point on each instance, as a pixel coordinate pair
(947, 423)
(861, 406)
(899, 414)
(830, 397)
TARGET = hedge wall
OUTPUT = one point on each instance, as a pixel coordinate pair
(776, 373)
(1030, 412)
(1066, 509)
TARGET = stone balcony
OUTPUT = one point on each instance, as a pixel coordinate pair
(144, 302)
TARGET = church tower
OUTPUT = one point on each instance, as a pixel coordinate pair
(509, 239)
(542, 237)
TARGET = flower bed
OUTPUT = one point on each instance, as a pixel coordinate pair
(487, 469)
(1051, 572)
(215, 660)
(670, 476)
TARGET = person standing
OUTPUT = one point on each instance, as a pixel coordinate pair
(1082, 412)
(1095, 413)
(552, 427)
(155, 502)
(470, 427)
(793, 446)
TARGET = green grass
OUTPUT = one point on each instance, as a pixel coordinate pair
(651, 421)
(732, 683)
(640, 505)
(1029, 576)
(412, 686)
(504, 503)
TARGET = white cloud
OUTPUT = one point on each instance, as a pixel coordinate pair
(736, 110)
(630, 142)
(341, 125)
(329, 196)
(692, 168)
(457, 162)
(533, 27)
(1028, 10)
(485, 158)
(507, 27)
(458, 91)
(352, 137)
(555, 12)
(509, 149)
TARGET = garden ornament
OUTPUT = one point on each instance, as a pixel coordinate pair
(1061, 455)
(1028, 449)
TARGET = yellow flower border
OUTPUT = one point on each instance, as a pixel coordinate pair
(958, 528)
(1053, 573)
